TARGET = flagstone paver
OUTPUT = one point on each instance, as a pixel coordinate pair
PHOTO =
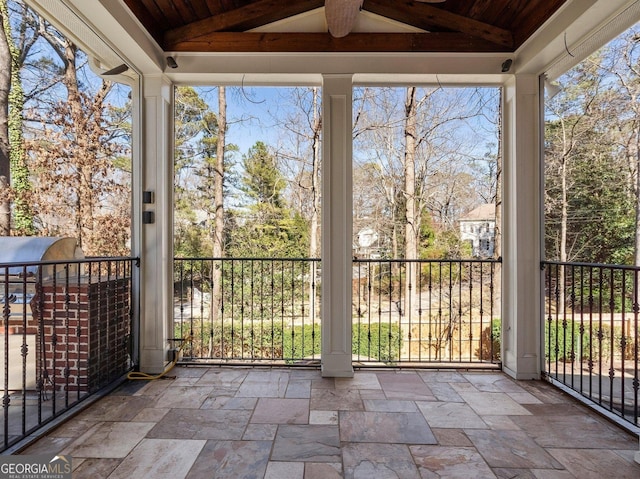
(292, 423)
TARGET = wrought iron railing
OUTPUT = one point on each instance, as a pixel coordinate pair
(66, 331)
(267, 310)
(426, 311)
(248, 309)
(591, 333)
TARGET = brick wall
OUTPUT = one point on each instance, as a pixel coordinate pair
(86, 331)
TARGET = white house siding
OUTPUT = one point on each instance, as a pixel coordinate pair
(479, 227)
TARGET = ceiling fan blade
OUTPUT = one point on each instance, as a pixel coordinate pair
(341, 16)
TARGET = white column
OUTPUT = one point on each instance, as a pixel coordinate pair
(522, 238)
(337, 222)
(156, 245)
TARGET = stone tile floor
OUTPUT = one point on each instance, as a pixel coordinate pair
(238, 423)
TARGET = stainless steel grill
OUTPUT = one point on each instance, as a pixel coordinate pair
(23, 262)
(24, 249)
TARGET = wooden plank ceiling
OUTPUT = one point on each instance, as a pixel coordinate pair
(446, 26)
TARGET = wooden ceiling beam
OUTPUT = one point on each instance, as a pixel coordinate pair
(244, 18)
(324, 42)
(428, 17)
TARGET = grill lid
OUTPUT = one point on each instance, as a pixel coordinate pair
(26, 249)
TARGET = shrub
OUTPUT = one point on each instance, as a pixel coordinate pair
(379, 342)
(564, 341)
(302, 342)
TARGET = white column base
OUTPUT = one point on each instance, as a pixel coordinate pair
(153, 361)
(337, 365)
(523, 376)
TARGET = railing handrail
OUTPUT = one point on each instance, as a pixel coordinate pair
(625, 267)
(452, 261)
(233, 258)
(93, 259)
(355, 260)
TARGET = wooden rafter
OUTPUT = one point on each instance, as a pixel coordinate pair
(428, 17)
(324, 42)
(243, 18)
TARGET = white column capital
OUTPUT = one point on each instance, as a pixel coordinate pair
(158, 85)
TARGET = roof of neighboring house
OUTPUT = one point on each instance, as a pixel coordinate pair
(483, 212)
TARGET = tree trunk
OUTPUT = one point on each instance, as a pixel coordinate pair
(497, 236)
(412, 226)
(564, 214)
(5, 162)
(22, 215)
(637, 198)
(497, 243)
(66, 51)
(314, 243)
(218, 199)
(314, 240)
(83, 221)
(636, 161)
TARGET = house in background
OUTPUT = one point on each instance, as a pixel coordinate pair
(367, 244)
(479, 228)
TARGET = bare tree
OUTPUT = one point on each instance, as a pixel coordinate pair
(626, 70)
(78, 191)
(573, 114)
(375, 135)
(300, 153)
(414, 144)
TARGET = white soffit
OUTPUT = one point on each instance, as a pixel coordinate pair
(308, 68)
(69, 23)
(95, 28)
(581, 49)
(573, 33)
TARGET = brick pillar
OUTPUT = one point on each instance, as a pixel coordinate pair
(85, 327)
